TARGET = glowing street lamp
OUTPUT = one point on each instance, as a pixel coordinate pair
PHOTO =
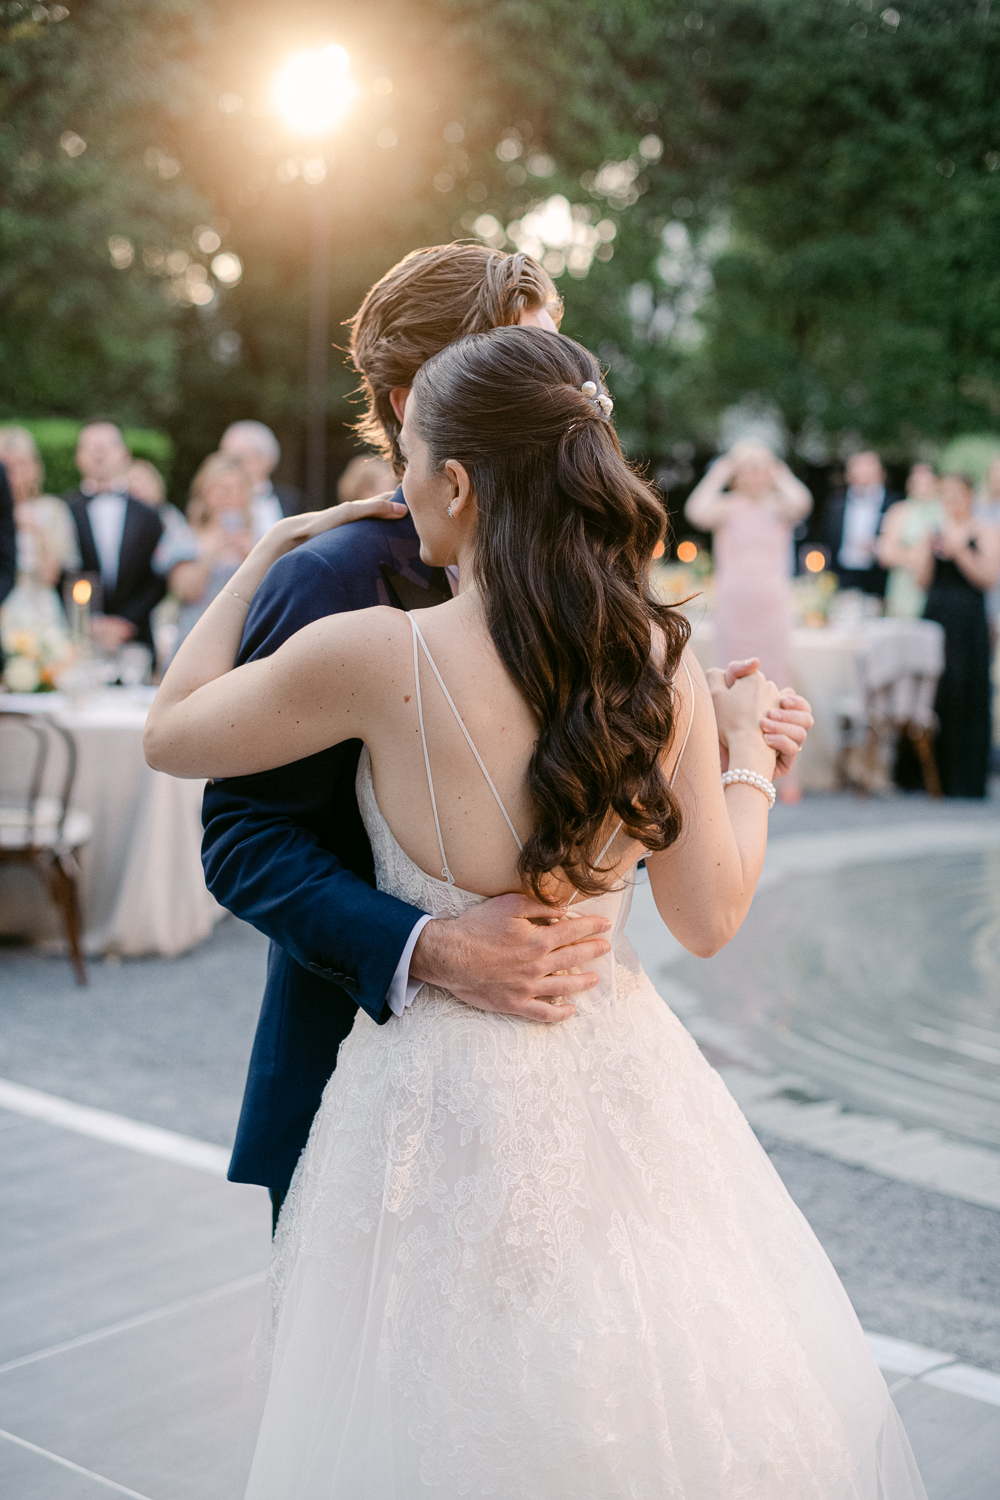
(312, 92)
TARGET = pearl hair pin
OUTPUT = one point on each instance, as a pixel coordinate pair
(599, 398)
(754, 779)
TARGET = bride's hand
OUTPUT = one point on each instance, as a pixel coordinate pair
(741, 703)
(785, 728)
(290, 532)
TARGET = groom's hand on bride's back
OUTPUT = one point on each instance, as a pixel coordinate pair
(508, 955)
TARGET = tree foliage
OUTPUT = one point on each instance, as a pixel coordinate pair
(802, 194)
(854, 151)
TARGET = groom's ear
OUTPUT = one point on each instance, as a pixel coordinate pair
(397, 400)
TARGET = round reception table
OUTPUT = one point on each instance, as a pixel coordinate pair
(824, 670)
(141, 881)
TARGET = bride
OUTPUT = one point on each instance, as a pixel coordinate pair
(549, 1262)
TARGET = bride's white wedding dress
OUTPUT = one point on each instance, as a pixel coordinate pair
(553, 1263)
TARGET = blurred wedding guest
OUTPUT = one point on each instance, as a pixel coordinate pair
(853, 521)
(987, 508)
(987, 504)
(258, 450)
(898, 547)
(220, 513)
(46, 538)
(751, 502)
(117, 536)
(958, 564)
(178, 543)
(364, 478)
(8, 541)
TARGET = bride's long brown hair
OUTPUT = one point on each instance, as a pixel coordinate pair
(564, 543)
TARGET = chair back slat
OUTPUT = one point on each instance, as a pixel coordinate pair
(33, 803)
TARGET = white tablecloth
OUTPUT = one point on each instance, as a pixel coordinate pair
(141, 878)
(824, 668)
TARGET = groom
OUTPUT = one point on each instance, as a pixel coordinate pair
(286, 850)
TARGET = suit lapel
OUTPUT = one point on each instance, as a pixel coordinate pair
(131, 531)
(88, 549)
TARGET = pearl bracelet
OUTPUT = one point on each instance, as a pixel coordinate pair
(752, 778)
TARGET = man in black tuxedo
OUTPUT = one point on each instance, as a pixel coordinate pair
(259, 451)
(853, 520)
(117, 536)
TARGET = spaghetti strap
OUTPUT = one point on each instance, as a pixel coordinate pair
(445, 872)
(417, 636)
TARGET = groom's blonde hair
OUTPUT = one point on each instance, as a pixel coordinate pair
(428, 300)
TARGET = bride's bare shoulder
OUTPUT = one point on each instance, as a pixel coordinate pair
(365, 630)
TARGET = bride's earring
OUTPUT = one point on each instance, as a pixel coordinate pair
(451, 512)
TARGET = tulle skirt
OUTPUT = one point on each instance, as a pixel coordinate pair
(554, 1263)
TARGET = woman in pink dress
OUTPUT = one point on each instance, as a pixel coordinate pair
(750, 501)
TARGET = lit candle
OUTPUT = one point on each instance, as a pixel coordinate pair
(80, 613)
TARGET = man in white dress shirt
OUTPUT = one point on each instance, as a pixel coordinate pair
(258, 450)
(117, 535)
(854, 519)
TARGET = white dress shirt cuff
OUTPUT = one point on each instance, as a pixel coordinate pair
(403, 989)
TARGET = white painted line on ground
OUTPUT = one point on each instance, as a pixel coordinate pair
(102, 1125)
(905, 1359)
(138, 1321)
(76, 1468)
(966, 1380)
(933, 1367)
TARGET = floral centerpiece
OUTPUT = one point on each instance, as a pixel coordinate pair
(33, 659)
(812, 595)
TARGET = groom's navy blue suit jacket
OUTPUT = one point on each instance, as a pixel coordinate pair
(287, 851)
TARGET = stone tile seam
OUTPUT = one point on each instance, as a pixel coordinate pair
(197, 1299)
(66, 1463)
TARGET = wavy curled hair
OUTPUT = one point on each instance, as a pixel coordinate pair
(564, 542)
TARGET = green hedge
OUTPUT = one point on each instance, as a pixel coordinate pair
(56, 438)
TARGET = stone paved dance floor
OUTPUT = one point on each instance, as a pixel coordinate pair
(854, 1018)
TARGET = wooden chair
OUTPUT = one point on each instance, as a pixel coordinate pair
(38, 827)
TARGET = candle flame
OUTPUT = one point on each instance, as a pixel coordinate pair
(82, 591)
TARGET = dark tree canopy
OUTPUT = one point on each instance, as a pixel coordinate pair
(791, 200)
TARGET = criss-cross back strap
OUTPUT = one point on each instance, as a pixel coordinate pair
(618, 826)
(417, 636)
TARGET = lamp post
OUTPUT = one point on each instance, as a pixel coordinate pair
(312, 92)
